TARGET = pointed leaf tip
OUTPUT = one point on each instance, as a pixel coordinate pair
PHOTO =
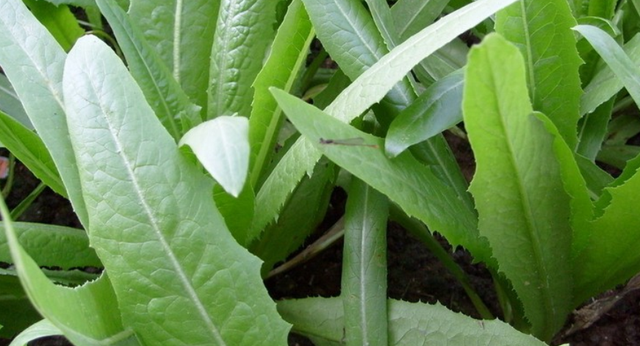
(222, 146)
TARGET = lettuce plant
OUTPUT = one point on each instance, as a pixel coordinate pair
(169, 163)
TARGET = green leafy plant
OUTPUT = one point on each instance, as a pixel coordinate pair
(169, 163)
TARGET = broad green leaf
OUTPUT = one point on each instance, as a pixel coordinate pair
(542, 32)
(38, 330)
(156, 228)
(96, 321)
(368, 89)
(296, 220)
(33, 62)
(31, 151)
(10, 103)
(610, 257)
(243, 34)
(619, 62)
(288, 53)
(182, 34)
(16, 311)
(364, 267)
(169, 102)
(52, 246)
(523, 208)
(222, 146)
(58, 20)
(410, 324)
(605, 84)
(403, 179)
(436, 110)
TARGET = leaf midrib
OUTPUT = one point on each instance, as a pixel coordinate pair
(154, 224)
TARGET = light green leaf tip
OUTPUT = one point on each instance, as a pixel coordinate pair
(222, 146)
(522, 206)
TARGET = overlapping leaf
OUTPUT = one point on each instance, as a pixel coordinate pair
(155, 226)
(182, 33)
(542, 32)
(33, 62)
(523, 208)
(410, 324)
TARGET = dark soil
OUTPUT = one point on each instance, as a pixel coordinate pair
(414, 273)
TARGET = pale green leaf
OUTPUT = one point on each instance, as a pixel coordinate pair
(624, 68)
(610, 257)
(51, 245)
(592, 130)
(33, 62)
(605, 84)
(412, 16)
(364, 266)
(243, 33)
(154, 224)
(368, 89)
(181, 32)
(436, 110)
(169, 102)
(31, 151)
(403, 179)
(519, 193)
(542, 32)
(410, 324)
(376, 81)
(97, 319)
(222, 146)
(288, 54)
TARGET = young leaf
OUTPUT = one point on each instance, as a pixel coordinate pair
(410, 324)
(519, 193)
(182, 34)
(364, 270)
(170, 103)
(436, 110)
(619, 62)
(404, 180)
(35, 71)
(243, 34)
(222, 146)
(97, 323)
(551, 57)
(155, 226)
(288, 53)
(605, 84)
